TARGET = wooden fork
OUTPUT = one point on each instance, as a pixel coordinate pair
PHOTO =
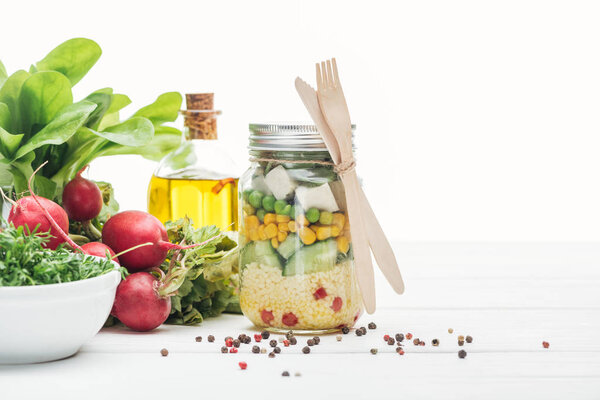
(334, 108)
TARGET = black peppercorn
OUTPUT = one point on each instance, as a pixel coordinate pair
(164, 352)
(363, 329)
(293, 340)
(462, 354)
(317, 339)
(198, 338)
(289, 335)
(373, 351)
(399, 337)
(345, 330)
(211, 338)
(273, 343)
(399, 349)
(255, 349)
(236, 343)
(277, 350)
(372, 325)
(435, 342)
(461, 342)
(271, 355)
(310, 342)
(417, 341)
(469, 339)
(224, 349)
(358, 332)
(285, 373)
(391, 341)
(306, 349)
(241, 337)
(265, 334)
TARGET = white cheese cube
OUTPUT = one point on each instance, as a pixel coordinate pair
(258, 183)
(280, 183)
(320, 197)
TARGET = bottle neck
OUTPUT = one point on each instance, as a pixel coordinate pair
(200, 125)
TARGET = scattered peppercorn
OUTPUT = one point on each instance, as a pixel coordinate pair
(398, 349)
(386, 338)
(372, 325)
(164, 352)
(450, 330)
(306, 349)
(241, 337)
(416, 341)
(373, 351)
(223, 349)
(399, 337)
(243, 365)
(358, 332)
(363, 329)
(277, 350)
(273, 343)
(391, 341)
(255, 349)
(409, 336)
(469, 339)
(345, 330)
(435, 342)
(293, 340)
(228, 338)
(317, 339)
(461, 342)
(461, 337)
(247, 340)
(297, 374)
(310, 342)
(265, 334)
(236, 343)
(462, 354)
(545, 344)
(271, 355)
(211, 338)
(233, 350)
(263, 351)
(285, 373)
(198, 338)
(421, 343)
(401, 352)
(338, 338)
(228, 342)
(286, 343)
(289, 335)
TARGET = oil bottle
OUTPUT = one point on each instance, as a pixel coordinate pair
(199, 179)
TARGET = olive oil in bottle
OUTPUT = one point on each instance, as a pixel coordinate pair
(199, 179)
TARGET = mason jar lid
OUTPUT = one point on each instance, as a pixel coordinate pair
(286, 137)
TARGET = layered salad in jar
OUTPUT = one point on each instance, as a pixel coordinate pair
(297, 269)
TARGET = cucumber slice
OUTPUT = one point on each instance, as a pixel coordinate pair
(289, 246)
(318, 257)
(261, 252)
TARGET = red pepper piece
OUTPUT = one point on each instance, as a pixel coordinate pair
(386, 338)
(289, 319)
(233, 350)
(257, 337)
(286, 343)
(229, 342)
(243, 365)
(337, 304)
(267, 316)
(320, 293)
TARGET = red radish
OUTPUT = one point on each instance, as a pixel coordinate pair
(98, 249)
(82, 199)
(138, 304)
(128, 229)
(28, 212)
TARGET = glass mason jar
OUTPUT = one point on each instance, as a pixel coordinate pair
(296, 264)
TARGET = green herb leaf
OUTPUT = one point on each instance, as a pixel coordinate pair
(73, 58)
(103, 101)
(4, 116)
(9, 95)
(3, 74)
(136, 131)
(8, 143)
(61, 128)
(164, 109)
(165, 140)
(42, 96)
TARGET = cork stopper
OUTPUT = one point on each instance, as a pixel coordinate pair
(200, 119)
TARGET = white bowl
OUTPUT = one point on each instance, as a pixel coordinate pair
(50, 322)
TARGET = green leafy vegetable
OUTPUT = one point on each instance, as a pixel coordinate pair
(24, 262)
(40, 122)
(210, 284)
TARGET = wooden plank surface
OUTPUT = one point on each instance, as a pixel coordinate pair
(508, 297)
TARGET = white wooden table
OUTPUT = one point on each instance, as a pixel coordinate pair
(508, 297)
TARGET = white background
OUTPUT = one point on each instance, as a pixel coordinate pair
(477, 121)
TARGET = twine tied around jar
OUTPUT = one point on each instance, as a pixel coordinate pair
(341, 169)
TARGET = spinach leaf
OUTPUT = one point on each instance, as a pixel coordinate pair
(9, 143)
(61, 128)
(103, 101)
(42, 96)
(3, 74)
(164, 109)
(166, 139)
(9, 95)
(136, 131)
(4, 116)
(73, 58)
